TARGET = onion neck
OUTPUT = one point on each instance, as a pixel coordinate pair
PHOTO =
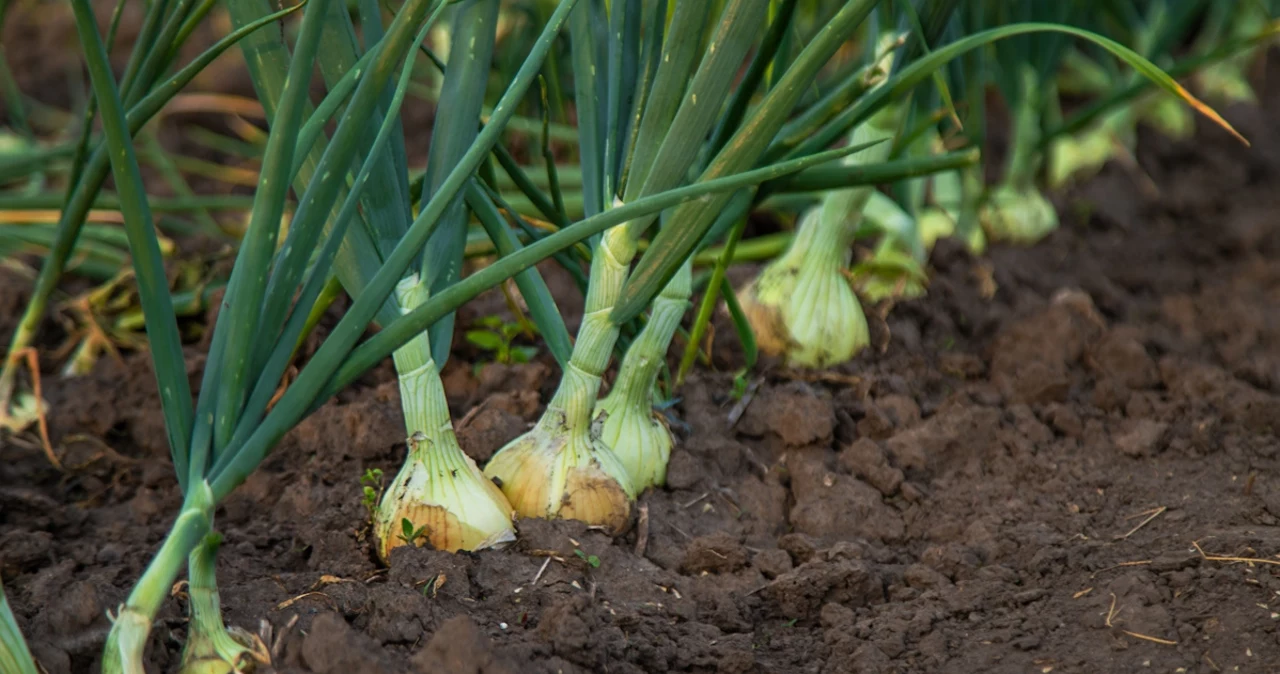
(570, 408)
(1023, 161)
(825, 234)
(645, 356)
(821, 244)
(207, 637)
(422, 396)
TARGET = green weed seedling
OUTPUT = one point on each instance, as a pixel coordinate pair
(410, 535)
(592, 560)
(371, 489)
(496, 336)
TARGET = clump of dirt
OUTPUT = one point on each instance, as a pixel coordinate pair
(1056, 465)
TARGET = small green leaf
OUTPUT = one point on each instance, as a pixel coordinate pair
(739, 385)
(591, 560)
(406, 529)
(485, 339)
(523, 354)
(492, 322)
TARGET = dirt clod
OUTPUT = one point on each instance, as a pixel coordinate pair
(717, 553)
(795, 413)
(458, 647)
(1141, 438)
(865, 460)
(772, 563)
(332, 646)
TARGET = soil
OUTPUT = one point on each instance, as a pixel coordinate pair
(1063, 459)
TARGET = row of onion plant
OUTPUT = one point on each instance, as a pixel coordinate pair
(1049, 147)
(811, 318)
(670, 141)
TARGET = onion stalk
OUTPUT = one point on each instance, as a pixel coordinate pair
(131, 623)
(211, 647)
(439, 495)
(639, 436)
(1016, 210)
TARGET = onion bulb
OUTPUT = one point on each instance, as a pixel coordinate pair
(801, 306)
(439, 495)
(889, 274)
(639, 437)
(1079, 156)
(1018, 215)
(561, 469)
(1227, 82)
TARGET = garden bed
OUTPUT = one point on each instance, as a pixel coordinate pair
(1058, 461)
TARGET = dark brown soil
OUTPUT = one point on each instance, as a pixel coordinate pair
(1054, 465)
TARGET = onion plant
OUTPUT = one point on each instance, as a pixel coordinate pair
(212, 647)
(1016, 208)
(801, 305)
(439, 495)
